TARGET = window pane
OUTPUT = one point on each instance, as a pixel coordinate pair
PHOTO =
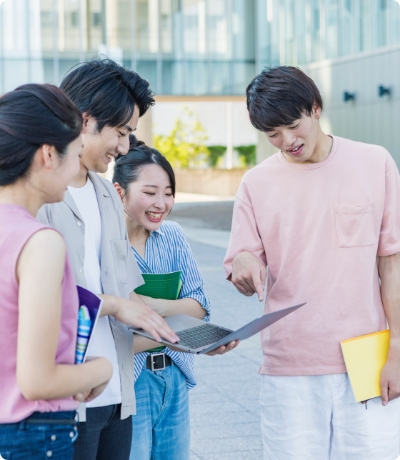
(316, 30)
(331, 19)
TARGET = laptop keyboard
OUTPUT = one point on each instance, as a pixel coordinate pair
(203, 335)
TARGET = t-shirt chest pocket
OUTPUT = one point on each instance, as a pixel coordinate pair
(354, 225)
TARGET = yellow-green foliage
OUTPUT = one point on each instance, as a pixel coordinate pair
(184, 146)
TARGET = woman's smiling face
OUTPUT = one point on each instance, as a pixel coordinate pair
(149, 199)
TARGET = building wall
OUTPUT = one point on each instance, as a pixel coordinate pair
(21, 56)
(369, 118)
(299, 32)
(209, 181)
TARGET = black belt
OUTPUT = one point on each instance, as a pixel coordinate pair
(35, 419)
(158, 361)
(51, 421)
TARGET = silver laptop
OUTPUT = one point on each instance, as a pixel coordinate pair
(199, 337)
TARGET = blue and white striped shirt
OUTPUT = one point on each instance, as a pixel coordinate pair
(167, 250)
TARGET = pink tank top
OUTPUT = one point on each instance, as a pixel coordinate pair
(16, 227)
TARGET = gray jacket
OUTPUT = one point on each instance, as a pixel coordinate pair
(120, 274)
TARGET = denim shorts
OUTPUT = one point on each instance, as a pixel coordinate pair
(36, 439)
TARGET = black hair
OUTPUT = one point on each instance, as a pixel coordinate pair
(278, 96)
(128, 167)
(107, 91)
(30, 116)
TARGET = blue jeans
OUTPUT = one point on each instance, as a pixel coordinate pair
(39, 441)
(161, 426)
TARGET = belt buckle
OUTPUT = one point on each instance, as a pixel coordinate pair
(153, 364)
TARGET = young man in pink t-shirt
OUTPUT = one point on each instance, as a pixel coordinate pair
(318, 222)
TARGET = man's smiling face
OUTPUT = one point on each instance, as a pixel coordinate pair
(101, 147)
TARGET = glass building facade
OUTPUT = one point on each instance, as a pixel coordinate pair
(187, 47)
(299, 32)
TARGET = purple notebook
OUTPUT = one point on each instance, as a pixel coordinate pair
(93, 304)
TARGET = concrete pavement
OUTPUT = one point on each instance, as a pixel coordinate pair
(203, 222)
(224, 405)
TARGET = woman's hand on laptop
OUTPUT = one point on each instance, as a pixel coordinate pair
(136, 313)
(224, 349)
(248, 275)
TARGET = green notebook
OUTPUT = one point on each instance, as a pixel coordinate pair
(161, 285)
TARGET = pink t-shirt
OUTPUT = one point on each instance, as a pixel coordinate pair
(16, 227)
(319, 228)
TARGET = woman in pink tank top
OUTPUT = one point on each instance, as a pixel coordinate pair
(40, 387)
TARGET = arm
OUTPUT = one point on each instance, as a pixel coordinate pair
(192, 299)
(134, 312)
(389, 272)
(166, 308)
(248, 275)
(40, 272)
(245, 261)
(141, 343)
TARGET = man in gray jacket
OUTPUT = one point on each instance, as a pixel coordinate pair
(91, 219)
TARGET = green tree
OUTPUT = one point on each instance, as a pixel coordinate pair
(184, 147)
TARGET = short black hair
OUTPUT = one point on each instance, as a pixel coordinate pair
(30, 116)
(280, 95)
(128, 167)
(107, 91)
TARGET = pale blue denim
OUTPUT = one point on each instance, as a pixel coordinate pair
(161, 426)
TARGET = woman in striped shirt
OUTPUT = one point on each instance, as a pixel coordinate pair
(145, 182)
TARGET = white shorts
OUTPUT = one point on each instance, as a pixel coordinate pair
(316, 418)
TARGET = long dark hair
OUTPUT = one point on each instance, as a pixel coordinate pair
(128, 167)
(30, 116)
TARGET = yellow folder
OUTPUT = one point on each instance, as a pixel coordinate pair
(365, 357)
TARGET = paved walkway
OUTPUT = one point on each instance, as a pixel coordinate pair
(205, 222)
(224, 405)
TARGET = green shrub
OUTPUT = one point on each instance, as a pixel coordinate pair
(184, 147)
(215, 153)
(247, 154)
